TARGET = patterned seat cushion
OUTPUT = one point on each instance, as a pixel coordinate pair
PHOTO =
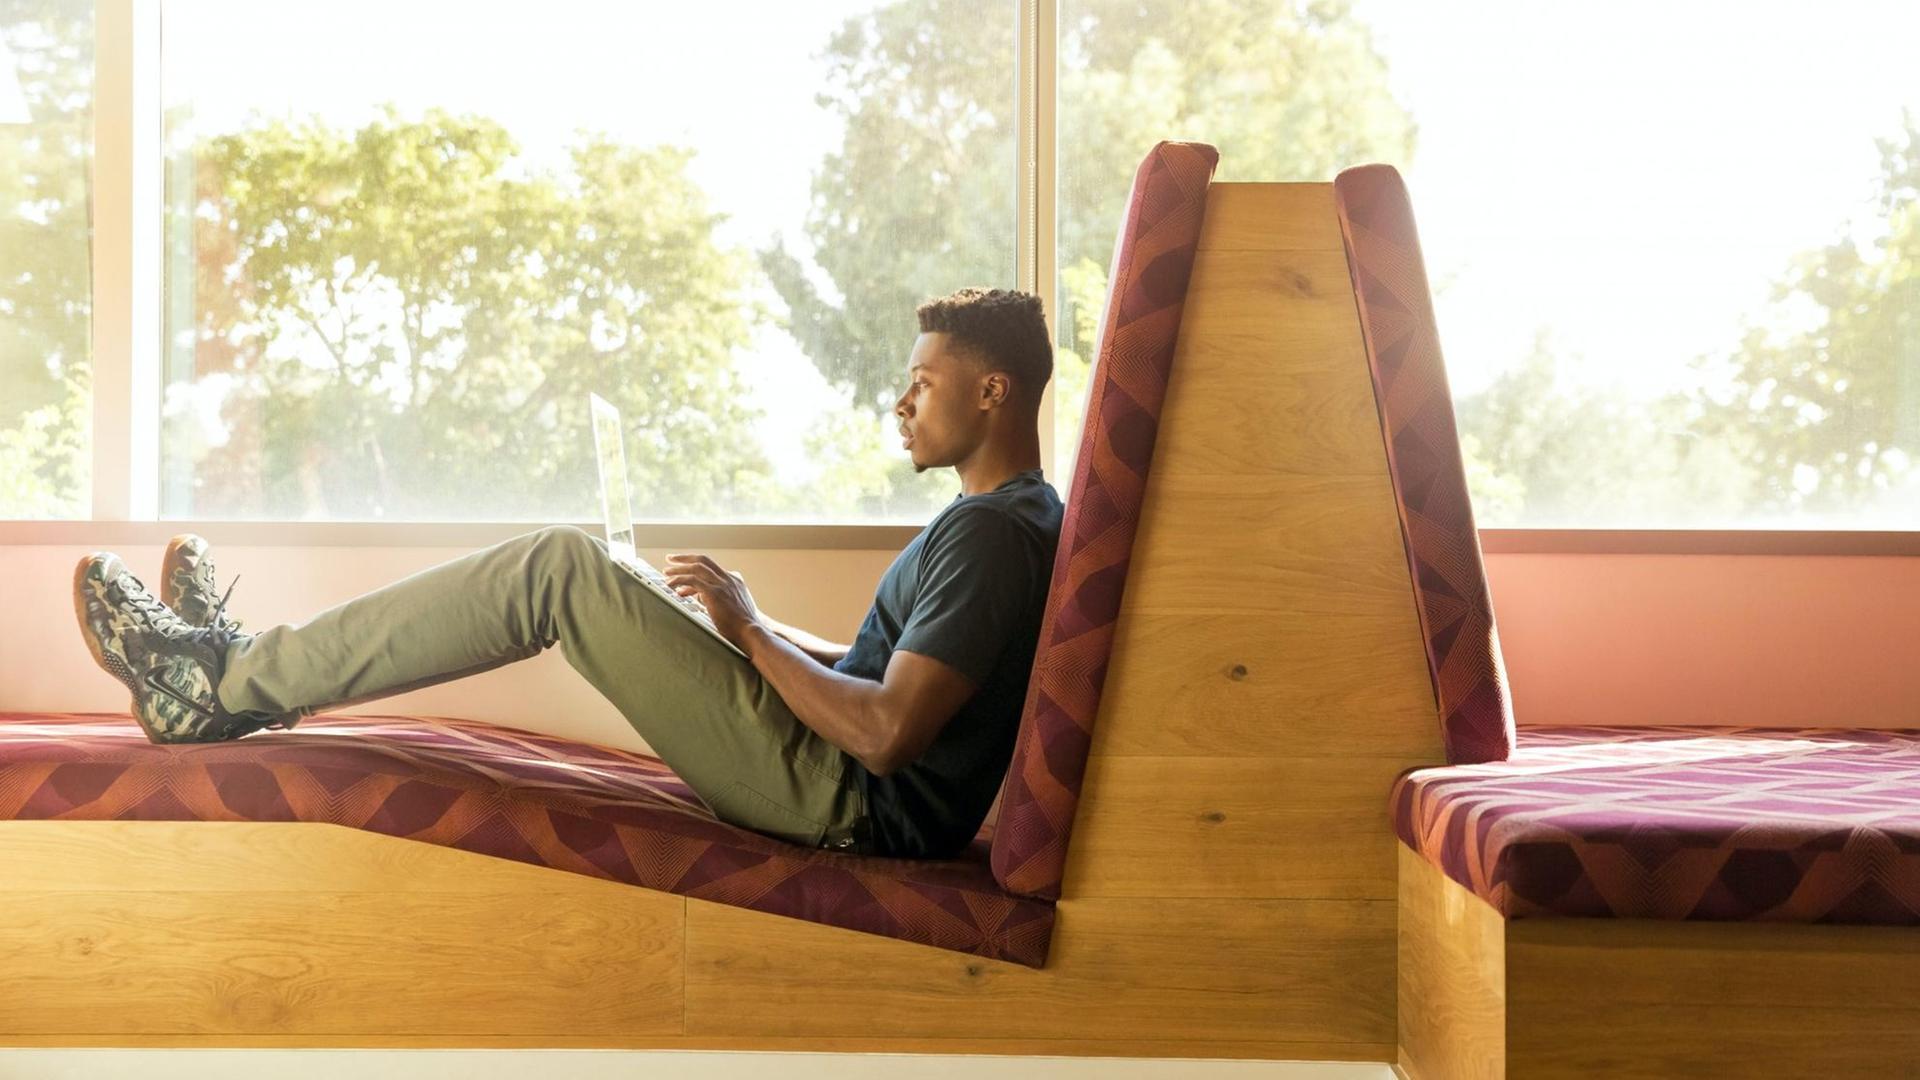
(1147, 290)
(1815, 825)
(513, 794)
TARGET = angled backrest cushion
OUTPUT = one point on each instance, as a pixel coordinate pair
(1423, 456)
(1147, 288)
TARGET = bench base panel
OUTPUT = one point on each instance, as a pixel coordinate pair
(162, 933)
(1481, 996)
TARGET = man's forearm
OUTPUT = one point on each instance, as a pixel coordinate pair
(822, 650)
(843, 709)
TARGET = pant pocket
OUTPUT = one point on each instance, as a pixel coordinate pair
(746, 807)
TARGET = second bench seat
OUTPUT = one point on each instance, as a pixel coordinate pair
(1813, 825)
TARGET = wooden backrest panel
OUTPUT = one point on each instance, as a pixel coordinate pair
(1268, 664)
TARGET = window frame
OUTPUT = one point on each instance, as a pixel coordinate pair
(127, 330)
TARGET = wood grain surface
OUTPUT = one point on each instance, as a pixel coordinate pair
(1231, 888)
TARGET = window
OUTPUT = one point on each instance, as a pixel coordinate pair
(1674, 249)
(389, 294)
(1675, 287)
(46, 285)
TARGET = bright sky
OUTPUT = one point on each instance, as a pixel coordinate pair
(1630, 174)
(1634, 173)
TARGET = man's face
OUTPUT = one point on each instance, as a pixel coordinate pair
(941, 420)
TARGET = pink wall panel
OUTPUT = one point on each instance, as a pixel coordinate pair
(1710, 639)
(1589, 639)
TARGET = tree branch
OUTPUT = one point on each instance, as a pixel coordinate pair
(339, 354)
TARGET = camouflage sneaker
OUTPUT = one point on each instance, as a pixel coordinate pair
(170, 665)
(187, 586)
(186, 581)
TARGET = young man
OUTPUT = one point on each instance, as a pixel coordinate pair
(893, 745)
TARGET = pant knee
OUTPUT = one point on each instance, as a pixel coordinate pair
(555, 557)
(560, 552)
(565, 542)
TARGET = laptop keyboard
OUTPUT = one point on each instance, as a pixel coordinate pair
(691, 603)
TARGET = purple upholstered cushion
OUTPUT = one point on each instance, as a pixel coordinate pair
(1147, 291)
(1812, 825)
(512, 794)
(1423, 457)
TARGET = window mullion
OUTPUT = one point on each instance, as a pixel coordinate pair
(126, 287)
(1034, 64)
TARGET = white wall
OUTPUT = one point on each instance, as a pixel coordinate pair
(45, 665)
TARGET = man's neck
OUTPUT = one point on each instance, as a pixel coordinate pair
(987, 471)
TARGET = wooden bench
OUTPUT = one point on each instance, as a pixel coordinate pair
(1206, 871)
(1626, 901)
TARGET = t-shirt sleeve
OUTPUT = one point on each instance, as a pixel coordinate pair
(976, 582)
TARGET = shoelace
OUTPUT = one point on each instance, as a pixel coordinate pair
(219, 631)
(136, 596)
(217, 634)
(202, 580)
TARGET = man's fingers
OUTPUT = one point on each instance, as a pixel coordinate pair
(696, 560)
(692, 576)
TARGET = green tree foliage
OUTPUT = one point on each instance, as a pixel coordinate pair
(412, 317)
(919, 198)
(46, 273)
(1830, 416)
(1545, 451)
(920, 192)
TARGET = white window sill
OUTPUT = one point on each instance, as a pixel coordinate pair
(807, 536)
(454, 534)
(1698, 542)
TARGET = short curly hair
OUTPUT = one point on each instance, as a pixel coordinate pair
(1003, 329)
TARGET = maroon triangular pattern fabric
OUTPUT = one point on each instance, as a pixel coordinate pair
(512, 794)
(1806, 825)
(1423, 456)
(1147, 290)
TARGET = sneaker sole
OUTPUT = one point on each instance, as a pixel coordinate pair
(167, 563)
(129, 680)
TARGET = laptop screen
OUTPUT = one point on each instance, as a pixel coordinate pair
(609, 450)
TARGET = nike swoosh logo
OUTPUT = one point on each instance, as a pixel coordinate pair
(155, 684)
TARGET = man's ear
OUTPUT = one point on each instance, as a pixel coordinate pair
(994, 389)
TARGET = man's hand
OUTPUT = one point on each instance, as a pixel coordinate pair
(723, 592)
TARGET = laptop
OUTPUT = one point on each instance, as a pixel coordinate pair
(610, 453)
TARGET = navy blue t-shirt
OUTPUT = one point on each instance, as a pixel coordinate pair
(970, 591)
